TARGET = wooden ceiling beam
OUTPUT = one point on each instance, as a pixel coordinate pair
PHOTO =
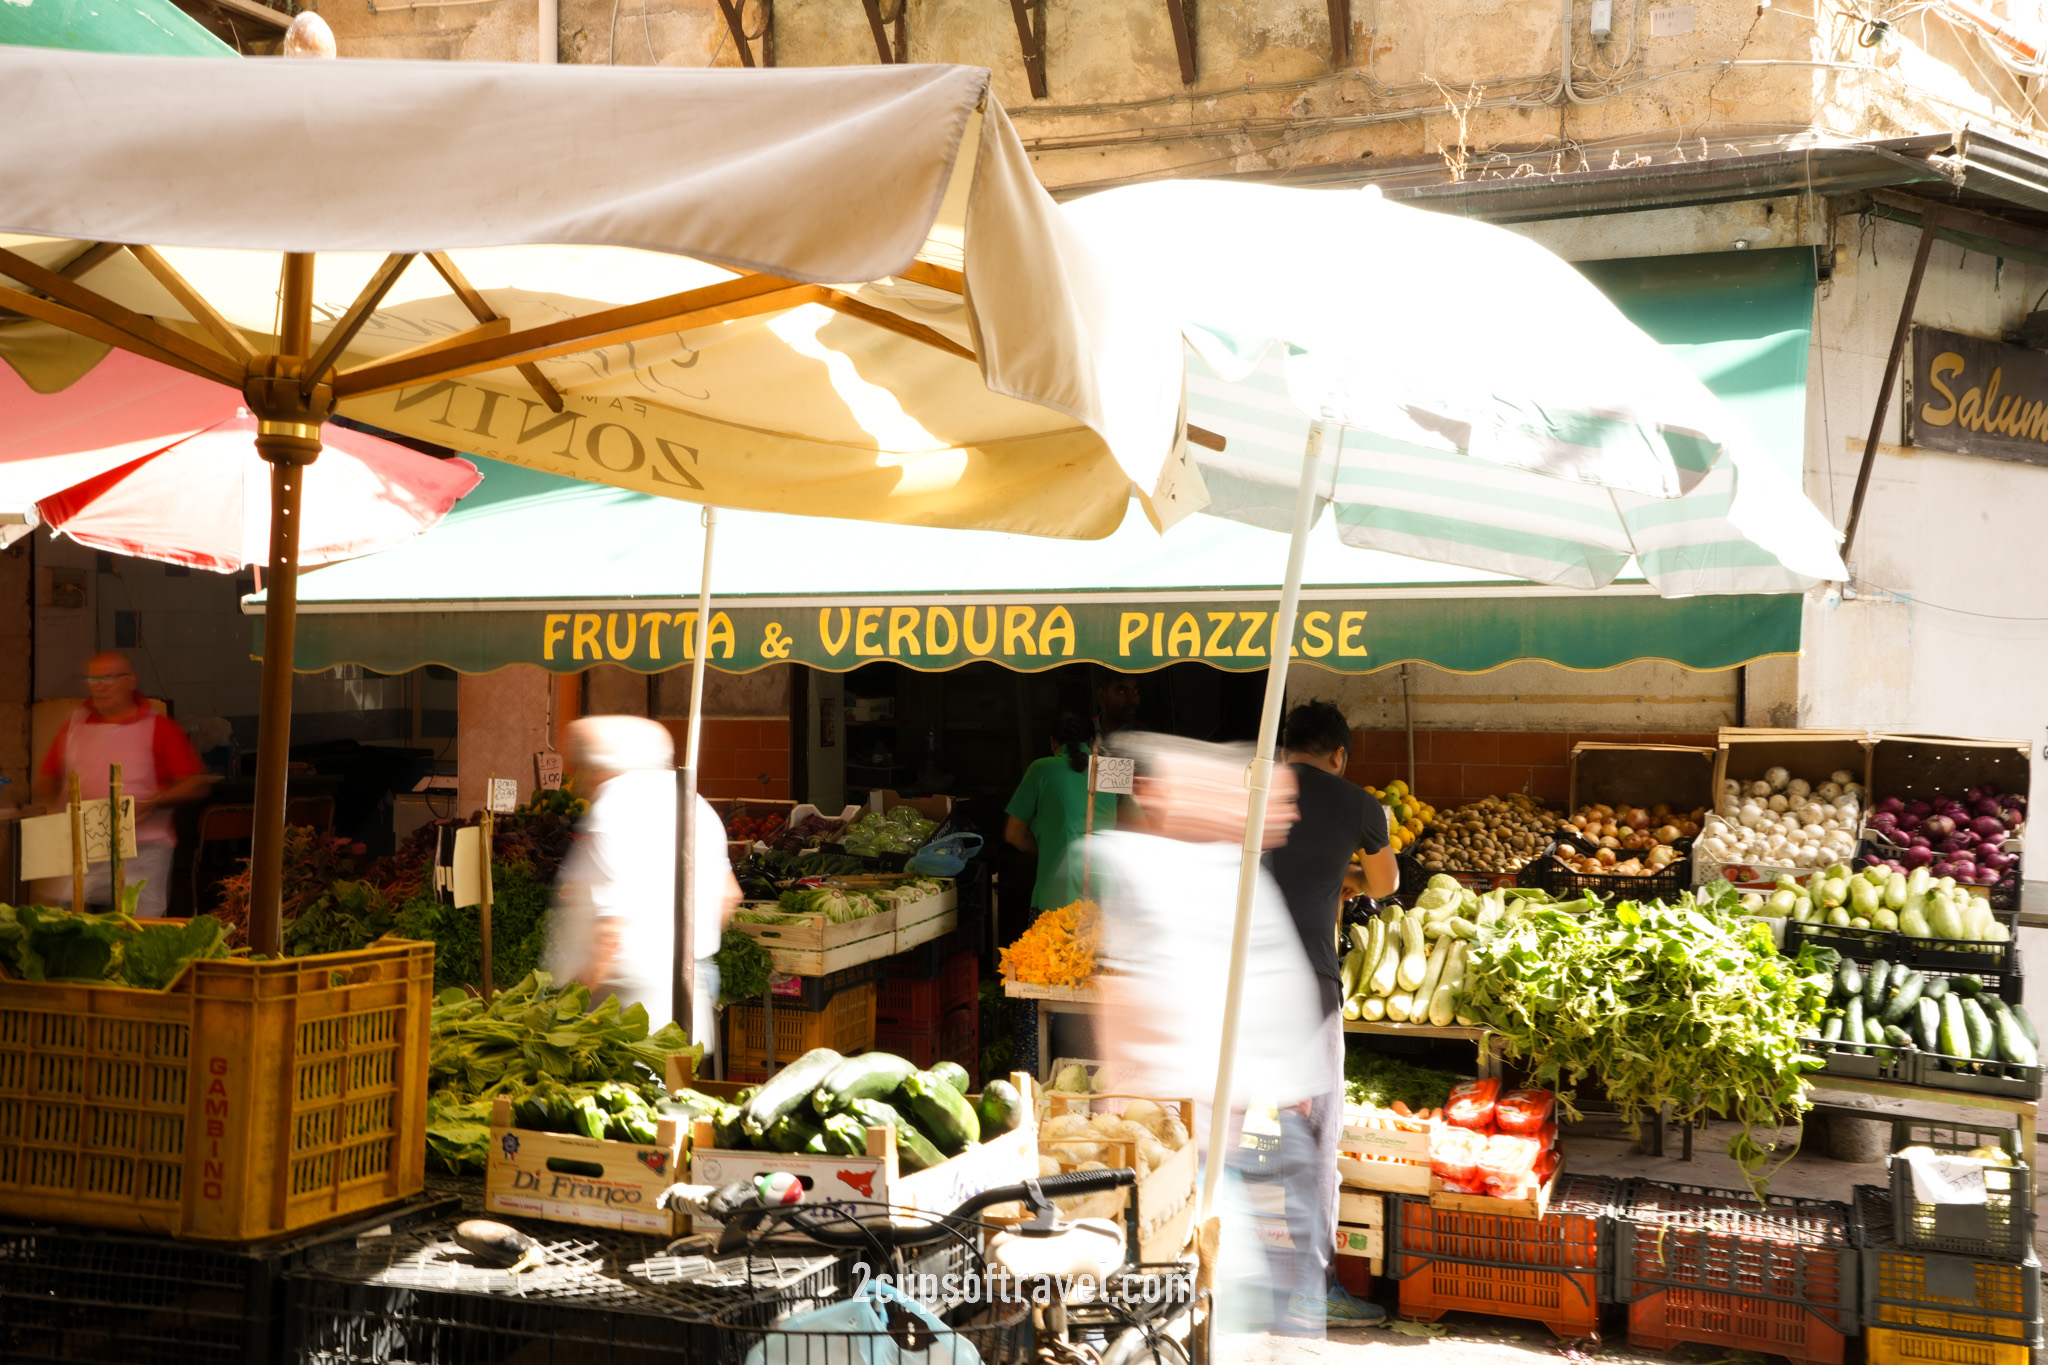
(1030, 17)
(148, 331)
(729, 300)
(1183, 39)
(90, 259)
(482, 311)
(1340, 34)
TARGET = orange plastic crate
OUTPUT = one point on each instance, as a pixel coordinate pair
(846, 1024)
(249, 1101)
(1667, 1317)
(1553, 1269)
(1568, 1305)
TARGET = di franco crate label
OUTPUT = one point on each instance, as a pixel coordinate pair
(526, 1180)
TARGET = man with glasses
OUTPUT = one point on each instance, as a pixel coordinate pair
(158, 769)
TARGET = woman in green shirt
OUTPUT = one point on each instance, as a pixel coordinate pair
(1049, 810)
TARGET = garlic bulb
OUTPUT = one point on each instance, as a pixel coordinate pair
(1778, 803)
(1828, 791)
(1777, 777)
(1760, 790)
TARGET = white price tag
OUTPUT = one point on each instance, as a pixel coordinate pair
(1114, 775)
(504, 796)
(547, 770)
(1941, 1179)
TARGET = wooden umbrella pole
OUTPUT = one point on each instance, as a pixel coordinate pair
(77, 849)
(487, 827)
(116, 873)
(288, 436)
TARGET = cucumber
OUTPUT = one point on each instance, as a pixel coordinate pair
(1874, 984)
(1848, 981)
(943, 1111)
(914, 1151)
(1897, 1036)
(1978, 1024)
(786, 1089)
(1955, 1031)
(1927, 1023)
(953, 1074)
(1905, 994)
(1937, 989)
(1000, 1108)
(1873, 1031)
(870, 1076)
(1852, 1024)
(795, 1131)
(1969, 983)
(1831, 1029)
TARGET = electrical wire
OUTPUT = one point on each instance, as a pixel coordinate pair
(1860, 583)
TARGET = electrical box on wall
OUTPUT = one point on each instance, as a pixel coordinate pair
(1673, 22)
(1600, 20)
(64, 587)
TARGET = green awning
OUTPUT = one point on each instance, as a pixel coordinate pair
(536, 569)
(149, 27)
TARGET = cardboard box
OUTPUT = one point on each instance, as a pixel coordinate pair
(930, 807)
(1162, 1204)
(877, 1176)
(574, 1179)
(1641, 775)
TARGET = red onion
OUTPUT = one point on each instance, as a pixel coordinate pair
(1987, 806)
(1937, 826)
(1986, 826)
(1917, 856)
(1891, 805)
(1919, 808)
(1922, 841)
(1940, 870)
(1907, 822)
(1886, 822)
(1987, 877)
(1983, 790)
(1996, 860)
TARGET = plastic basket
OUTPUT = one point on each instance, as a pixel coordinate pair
(247, 1102)
(846, 1024)
(2002, 1228)
(998, 1334)
(1868, 1061)
(908, 1001)
(1890, 1346)
(954, 1038)
(1667, 1317)
(1943, 1072)
(1713, 1245)
(1557, 1270)
(1548, 874)
(1932, 1297)
(1415, 877)
(928, 960)
(813, 993)
(1983, 958)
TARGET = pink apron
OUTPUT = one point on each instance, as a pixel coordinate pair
(90, 747)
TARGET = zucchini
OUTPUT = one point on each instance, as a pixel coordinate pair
(1000, 1108)
(1432, 972)
(944, 1112)
(845, 1135)
(1928, 1023)
(1852, 1024)
(1400, 1006)
(1904, 997)
(1955, 1031)
(1937, 989)
(1873, 1031)
(1978, 1024)
(1897, 1036)
(870, 1076)
(1383, 975)
(1848, 981)
(1874, 984)
(2013, 1043)
(1348, 973)
(1969, 983)
(1414, 961)
(1831, 1028)
(953, 1074)
(793, 1132)
(786, 1089)
(1942, 917)
(2019, 1014)
(726, 1133)
(914, 1151)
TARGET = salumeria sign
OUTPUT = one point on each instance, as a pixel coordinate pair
(1971, 396)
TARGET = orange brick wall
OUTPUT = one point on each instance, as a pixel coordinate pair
(1453, 766)
(743, 756)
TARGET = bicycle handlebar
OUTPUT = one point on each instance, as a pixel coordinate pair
(1037, 1194)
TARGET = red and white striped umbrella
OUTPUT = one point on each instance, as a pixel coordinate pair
(162, 465)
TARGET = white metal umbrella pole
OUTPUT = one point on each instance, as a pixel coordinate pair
(684, 958)
(1259, 778)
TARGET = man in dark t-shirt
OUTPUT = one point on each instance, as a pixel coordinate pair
(1336, 819)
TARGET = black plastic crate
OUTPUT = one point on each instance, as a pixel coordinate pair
(1868, 1061)
(1415, 877)
(1548, 874)
(1724, 1242)
(927, 961)
(1982, 958)
(82, 1294)
(2002, 1228)
(1937, 1294)
(813, 993)
(995, 1334)
(1941, 1072)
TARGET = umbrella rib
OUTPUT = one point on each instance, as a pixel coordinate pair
(352, 321)
(97, 329)
(891, 322)
(935, 276)
(483, 312)
(132, 328)
(725, 301)
(90, 259)
(231, 340)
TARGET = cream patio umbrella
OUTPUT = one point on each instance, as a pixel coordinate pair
(837, 292)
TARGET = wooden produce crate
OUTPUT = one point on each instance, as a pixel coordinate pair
(568, 1178)
(919, 922)
(249, 1101)
(1923, 767)
(876, 1177)
(819, 947)
(1535, 1206)
(1747, 754)
(1162, 1203)
(1392, 1160)
(1641, 775)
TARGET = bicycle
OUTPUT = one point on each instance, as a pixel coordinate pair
(1042, 1274)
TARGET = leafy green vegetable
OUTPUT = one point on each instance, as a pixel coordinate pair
(48, 944)
(1375, 1079)
(1685, 1003)
(520, 904)
(155, 957)
(744, 967)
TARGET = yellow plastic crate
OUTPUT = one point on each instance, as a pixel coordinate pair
(249, 1101)
(845, 1024)
(1888, 1346)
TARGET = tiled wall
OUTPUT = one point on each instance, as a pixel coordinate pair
(1453, 766)
(743, 756)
